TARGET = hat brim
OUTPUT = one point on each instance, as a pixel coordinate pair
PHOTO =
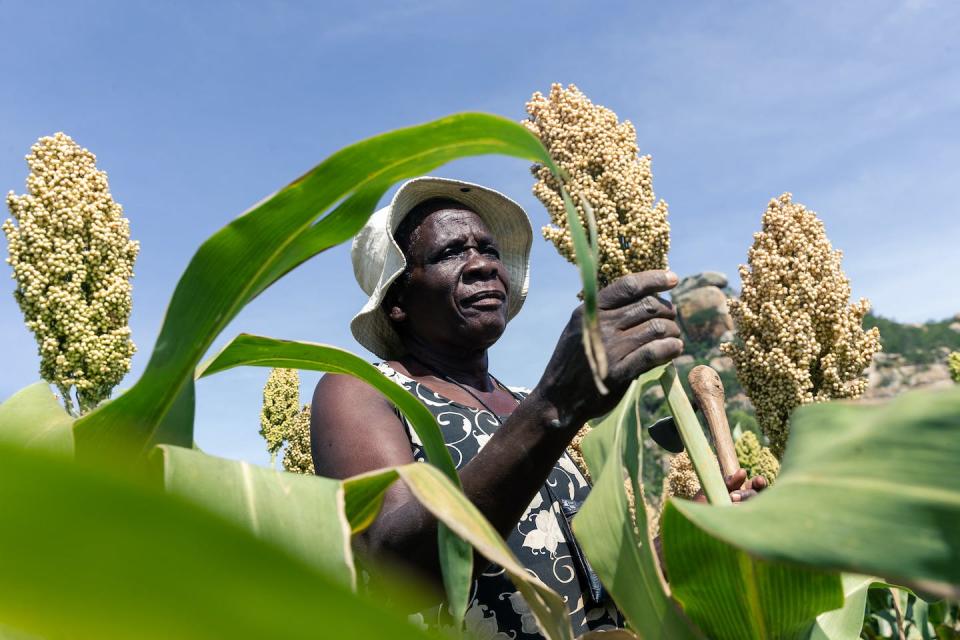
(378, 260)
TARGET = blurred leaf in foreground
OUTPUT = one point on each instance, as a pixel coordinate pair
(863, 488)
(90, 555)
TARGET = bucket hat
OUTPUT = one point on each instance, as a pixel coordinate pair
(378, 260)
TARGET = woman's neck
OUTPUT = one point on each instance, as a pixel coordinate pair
(466, 367)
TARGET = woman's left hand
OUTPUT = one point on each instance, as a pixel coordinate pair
(739, 487)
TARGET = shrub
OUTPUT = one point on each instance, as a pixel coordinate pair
(917, 344)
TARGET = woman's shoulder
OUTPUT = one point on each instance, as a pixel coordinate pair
(337, 388)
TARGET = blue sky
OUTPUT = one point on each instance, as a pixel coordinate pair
(198, 110)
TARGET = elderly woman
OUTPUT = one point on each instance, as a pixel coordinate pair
(446, 267)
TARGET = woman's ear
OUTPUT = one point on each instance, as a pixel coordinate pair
(396, 313)
(392, 305)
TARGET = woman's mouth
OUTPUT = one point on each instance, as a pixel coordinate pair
(489, 299)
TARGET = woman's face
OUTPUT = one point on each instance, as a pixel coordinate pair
(456, 293)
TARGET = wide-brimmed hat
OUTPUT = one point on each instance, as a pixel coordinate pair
(378, 260)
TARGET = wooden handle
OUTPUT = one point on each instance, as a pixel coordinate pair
(708, 391)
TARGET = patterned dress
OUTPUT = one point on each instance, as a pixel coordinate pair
(540, 541)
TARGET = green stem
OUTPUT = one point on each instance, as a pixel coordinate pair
(586, 257)
(701, 455)
(67, 400)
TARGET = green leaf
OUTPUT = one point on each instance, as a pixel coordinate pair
(921, 618)
(619, 549)
(456, 560)
(586, 257)
(88, 554)
(7, 633)
(733, 596)
(176, 428)
(450, 506)
(363, 497)
(303, 515)
(694, 441)
(261, 351)
(33, 418)
(866, 489)
(845, 623)
(245, 257)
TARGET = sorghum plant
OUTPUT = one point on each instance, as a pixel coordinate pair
(681, 480)
(799, 339)
(281, 408)
(599, 155)
(296, 455)
(72, 260)
(757, 459)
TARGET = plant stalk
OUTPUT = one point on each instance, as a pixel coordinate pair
(896, 608)
(701, 455)
(67, 400)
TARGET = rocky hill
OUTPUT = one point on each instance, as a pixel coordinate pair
(914, 355)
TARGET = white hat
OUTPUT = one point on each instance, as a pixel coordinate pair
(378, 260)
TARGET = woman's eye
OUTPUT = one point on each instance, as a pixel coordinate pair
(450, 252)
(458, 252)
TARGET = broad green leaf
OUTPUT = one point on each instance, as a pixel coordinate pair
(303, 515)
(845, 623)
(921, 618)
(456, 559)
(260, 351)
(338, 226)
(450, 506)
(33, 418)
(944, 612)
(694, 441)
(176, 428)
(8, 633)
(363, 497)
(619, 548)
(866, 489)
(733, 596)
(88, 554)
(245, 257)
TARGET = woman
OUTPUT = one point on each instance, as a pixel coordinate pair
(446, 267)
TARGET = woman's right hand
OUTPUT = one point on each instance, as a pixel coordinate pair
(639, 332)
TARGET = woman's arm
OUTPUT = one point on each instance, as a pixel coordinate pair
(354, 429)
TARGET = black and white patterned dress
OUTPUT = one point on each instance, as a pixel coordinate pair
(497, 611)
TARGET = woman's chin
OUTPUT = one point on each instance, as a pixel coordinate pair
(485, 329)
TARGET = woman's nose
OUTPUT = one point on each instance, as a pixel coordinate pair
(481, 265)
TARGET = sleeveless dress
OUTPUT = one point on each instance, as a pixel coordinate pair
(541, 541)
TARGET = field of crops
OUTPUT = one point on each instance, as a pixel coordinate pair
(109, 508)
